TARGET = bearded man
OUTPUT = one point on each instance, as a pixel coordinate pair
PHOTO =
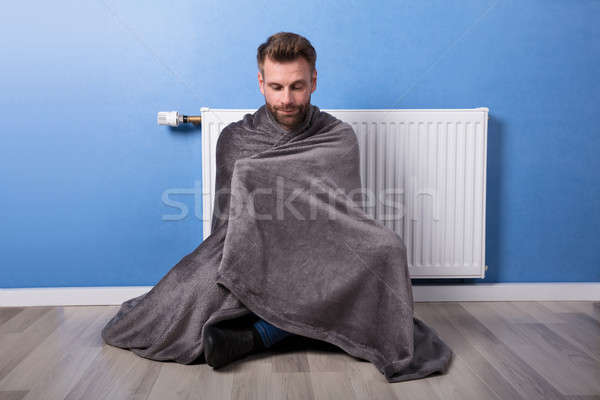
(261, 276)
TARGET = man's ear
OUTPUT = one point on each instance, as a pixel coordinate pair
(314, 81)
(261, 83)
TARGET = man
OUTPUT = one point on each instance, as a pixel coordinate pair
(264, 274)
(287, 77)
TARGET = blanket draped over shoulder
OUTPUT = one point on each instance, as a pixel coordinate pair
(289, 243)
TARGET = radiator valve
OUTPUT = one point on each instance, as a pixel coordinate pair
(173, 118)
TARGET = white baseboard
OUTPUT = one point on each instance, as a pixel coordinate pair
(69, 296)
(86, 296)
(543, 291)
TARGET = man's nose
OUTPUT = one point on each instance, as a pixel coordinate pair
(287, 96)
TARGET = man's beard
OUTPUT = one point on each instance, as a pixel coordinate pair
(289, 121)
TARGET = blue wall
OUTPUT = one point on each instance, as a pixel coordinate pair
(84, 163)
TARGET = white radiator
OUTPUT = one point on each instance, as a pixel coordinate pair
(427, 171)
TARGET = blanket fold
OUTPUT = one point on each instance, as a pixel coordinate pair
(291, 244)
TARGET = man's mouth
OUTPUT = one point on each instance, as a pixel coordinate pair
(288, 111)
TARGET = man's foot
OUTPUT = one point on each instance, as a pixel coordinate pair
(222, 345)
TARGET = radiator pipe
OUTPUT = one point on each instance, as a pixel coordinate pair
(194, 119)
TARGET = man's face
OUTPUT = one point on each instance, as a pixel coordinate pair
(287, 87)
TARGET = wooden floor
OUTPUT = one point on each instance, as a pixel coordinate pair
(504, 350)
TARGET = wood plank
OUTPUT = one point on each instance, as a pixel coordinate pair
(252, 383)
(420, 389)
(332, 386)
(529, 383)
(56, 356)
(74, 363)
(461, 383)
(103, 373)
(22, 320)
(539, 347)
(7, 313)
(25, 335)
(292, 386)
(579, 329)
(537, 311)
(136, 383)
(367, 382)
(290, 360)
(493, 316)
(177, 381)
(467, 352)
(12, 394)
(324, 357)
(592, 308)
(568, 368)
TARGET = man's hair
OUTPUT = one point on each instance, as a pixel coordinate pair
(286, 46)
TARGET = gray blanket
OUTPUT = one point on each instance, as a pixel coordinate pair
(291, 245)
